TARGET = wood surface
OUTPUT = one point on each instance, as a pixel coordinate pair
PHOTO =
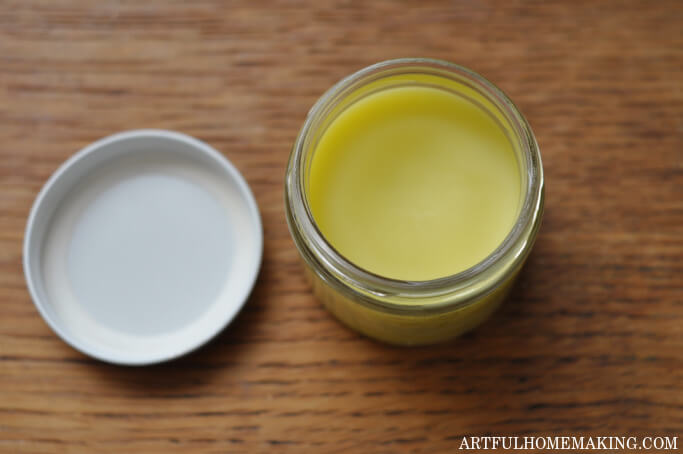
(590, 341)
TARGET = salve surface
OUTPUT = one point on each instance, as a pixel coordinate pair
(414, 183)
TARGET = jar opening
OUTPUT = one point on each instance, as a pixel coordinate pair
(375, 81)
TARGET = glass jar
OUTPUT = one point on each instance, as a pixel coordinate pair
(413, 312)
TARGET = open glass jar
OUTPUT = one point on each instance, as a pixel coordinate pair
(400, 311)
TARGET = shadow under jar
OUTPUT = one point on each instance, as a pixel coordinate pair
(414, 193)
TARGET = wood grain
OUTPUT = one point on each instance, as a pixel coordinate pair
(591, 340)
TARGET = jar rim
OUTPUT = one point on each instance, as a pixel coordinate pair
(381, 291)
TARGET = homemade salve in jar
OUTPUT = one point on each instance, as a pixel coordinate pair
(414, 193)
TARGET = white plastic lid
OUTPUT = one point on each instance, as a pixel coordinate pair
(142, 246)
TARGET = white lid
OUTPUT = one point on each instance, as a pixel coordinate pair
(142, 246)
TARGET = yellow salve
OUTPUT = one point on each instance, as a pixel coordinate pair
(414, 183)
(414, 170)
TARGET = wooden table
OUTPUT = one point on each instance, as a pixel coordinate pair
(591, 340)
